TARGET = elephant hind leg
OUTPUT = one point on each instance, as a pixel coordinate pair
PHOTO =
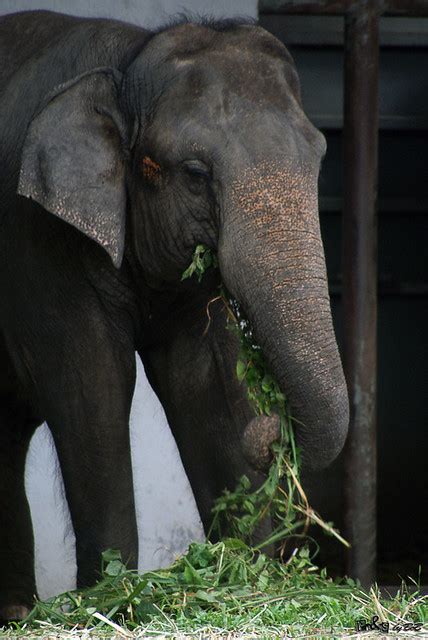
(17, 578)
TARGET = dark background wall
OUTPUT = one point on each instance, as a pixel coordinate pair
(316, 44)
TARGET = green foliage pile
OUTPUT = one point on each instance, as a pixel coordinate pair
(219, 587)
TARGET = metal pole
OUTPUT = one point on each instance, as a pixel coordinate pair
(360, 277)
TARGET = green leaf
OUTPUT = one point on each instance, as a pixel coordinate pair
(145, 610)
(111, 554)
(190, 574)
(234, 544)
(241, 368)
(114, 568)
(205, 596)
(263, 581)
(203, 259)
(188, 273)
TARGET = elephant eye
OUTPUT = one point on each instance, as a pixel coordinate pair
(197, 169)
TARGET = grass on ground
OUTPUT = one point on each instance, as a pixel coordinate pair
(221, 589)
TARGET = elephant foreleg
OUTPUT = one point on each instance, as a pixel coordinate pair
(86, 397)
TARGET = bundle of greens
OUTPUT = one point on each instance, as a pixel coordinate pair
(281, 496)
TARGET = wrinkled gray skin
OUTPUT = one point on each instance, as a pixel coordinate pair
(120, 151)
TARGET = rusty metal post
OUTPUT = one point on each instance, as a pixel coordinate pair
(360, 280)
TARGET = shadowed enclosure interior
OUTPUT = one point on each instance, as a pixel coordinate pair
(316, 43)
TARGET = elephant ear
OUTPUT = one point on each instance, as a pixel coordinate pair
(73, 160)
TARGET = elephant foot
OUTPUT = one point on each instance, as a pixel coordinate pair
(13, 613)
(259, 435)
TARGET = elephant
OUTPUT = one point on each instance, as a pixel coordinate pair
(122, 149)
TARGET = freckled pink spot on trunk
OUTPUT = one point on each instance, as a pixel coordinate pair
(271, 189)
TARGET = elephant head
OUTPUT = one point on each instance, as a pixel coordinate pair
(203, 139)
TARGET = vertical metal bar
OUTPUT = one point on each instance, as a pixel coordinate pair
(360, 279)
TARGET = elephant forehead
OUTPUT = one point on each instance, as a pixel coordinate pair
(244, 73)
(244, 57)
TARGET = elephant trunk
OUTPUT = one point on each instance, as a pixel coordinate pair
(272, 261)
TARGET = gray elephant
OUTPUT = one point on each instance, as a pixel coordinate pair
(121, 150)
